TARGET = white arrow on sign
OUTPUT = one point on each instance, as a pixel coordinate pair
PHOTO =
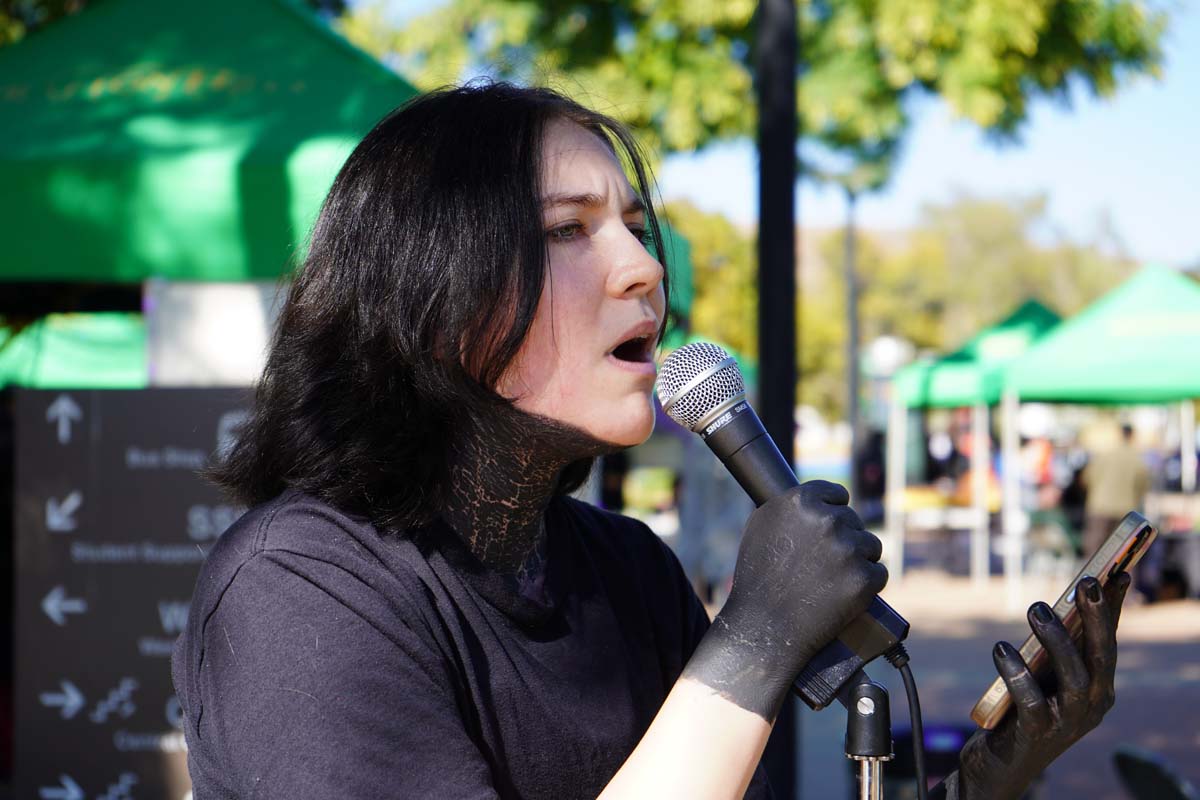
(68, 790)
(59, 514)
(69, 700)
(64, 411)
(57, 605)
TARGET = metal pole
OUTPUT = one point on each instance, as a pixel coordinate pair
(1012, 516)
(868, 733)
(776, 41)
(870, 779)
(851, 276)
(894, 475)
(981, 447)
(1187, 446)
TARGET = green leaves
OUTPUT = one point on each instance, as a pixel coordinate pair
(680, 71)
(725, 306)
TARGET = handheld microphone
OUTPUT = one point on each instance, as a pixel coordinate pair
(701, 388)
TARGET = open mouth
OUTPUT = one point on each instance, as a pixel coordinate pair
(638, 349)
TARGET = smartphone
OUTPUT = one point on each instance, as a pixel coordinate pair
(1119, 553)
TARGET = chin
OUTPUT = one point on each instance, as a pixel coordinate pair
(631, 427)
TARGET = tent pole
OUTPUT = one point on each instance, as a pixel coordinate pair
(1014, 525)
(894, 477)
(1187, 446)
(980, 469)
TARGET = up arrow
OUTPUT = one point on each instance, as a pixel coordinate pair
(68, 790)
(59, 514)
(64, 411)
(69, 700)
(57, 605)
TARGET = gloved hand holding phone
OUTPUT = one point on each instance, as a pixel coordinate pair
(1000, 764)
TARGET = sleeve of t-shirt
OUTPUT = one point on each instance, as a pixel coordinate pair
(311, 687)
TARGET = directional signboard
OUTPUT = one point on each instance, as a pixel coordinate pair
(112, 523)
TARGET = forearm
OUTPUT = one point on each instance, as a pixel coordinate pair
(783, 606)
(700, 745)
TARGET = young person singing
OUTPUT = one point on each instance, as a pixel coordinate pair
(414, 608)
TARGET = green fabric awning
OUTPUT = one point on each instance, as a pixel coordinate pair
(76, 351)
(1140, 343)
(679, 259)
(180, 140)
(974, 373)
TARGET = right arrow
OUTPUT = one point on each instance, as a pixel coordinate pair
(70, 699)
(64, 411)
(69, 790)
(57, 605)
(59, 514)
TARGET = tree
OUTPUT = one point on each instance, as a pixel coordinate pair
(725, 305)
(679, 71)
(966, 264)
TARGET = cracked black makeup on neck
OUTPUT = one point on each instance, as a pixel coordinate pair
(504, 471)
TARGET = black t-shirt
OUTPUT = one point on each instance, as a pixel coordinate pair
(323, 659)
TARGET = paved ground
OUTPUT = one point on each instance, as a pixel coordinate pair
(954, 625)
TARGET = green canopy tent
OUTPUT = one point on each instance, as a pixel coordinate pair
(969, 377)
(189, 141)
(971, 374)
(1140, 343)
(184, 141)
(76, 351)
(679, 260)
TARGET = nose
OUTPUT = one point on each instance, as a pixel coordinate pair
(635, 272)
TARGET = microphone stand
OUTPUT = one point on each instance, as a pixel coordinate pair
(868, 732)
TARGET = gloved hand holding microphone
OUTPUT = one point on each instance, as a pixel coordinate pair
(807, 571)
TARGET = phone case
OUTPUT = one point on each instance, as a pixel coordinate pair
(1119, 553)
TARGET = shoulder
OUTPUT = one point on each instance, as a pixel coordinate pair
(295, 567)
(297, 524)
(298, 552)
(305, 623)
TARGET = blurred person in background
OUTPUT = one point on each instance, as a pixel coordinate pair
(870, 480)
(413, 606)
(712, 510)
(1116, 480)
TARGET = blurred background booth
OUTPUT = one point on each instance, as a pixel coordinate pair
(1135, 346)
(966, 380)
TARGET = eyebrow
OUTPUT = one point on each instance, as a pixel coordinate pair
(590, 200)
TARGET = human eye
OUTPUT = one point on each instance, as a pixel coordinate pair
(565, 232)
(640, 233)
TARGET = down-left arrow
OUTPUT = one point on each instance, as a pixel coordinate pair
(60, 514)
(57, 605)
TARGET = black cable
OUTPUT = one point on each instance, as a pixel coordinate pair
(897, 656)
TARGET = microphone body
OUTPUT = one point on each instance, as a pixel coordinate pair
(737, 437)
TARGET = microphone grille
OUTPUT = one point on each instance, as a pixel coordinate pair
(683, 398)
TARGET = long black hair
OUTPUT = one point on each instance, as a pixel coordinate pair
(423, 275)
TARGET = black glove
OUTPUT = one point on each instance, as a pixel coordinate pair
(805, 569)
(1000, 764)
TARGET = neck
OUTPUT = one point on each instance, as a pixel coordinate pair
(504, 471)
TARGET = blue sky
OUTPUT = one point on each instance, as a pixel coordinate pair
(1133, 158)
